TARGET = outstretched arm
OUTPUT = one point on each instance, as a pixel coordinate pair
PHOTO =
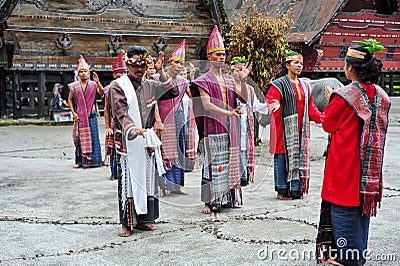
(212, 108)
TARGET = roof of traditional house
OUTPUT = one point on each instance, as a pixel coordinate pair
(325, 29)
(358, 25)
(6, 7)
(310, 17)
(52, 34)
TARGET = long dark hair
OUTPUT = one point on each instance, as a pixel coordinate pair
(284, 70)
(368, 70)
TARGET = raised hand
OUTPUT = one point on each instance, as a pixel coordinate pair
(159, 63)
(95, 77)
(192, 71)
(244, 72)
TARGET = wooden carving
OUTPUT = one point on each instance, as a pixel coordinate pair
(64, 42)
(160, 45)
(97, 5)
(115, 44)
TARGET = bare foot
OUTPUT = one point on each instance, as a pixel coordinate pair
(161, 193)
(237, 206)
(301, 197)
(124, 232)
(333, 262)
(179, 192)
(145, 227)
(76, 166)
(206, 209)
(282, 197)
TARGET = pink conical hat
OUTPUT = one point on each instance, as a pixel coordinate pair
(215, 43)
(119, 65)
(83, 64)
(179, 53)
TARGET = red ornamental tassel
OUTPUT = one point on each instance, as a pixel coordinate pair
(369, 206)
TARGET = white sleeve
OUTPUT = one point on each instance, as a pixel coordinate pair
(260, 107)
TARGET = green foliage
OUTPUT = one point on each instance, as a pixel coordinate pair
(260, 38)
(239, 60)
(371, 45)
(290, 52)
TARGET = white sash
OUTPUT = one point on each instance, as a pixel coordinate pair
(135, 149)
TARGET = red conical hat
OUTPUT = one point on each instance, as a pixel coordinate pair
(215, 43)
(119, 65)
(179, 53)
(82, 64)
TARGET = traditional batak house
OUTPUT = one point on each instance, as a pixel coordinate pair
(323, 30)
(41, 41)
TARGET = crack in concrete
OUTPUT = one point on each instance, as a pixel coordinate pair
(391, 189)
(96, 248)
(37, 220)
(34, 149)
(214, 229)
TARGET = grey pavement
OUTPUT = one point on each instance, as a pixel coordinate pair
(51, 214)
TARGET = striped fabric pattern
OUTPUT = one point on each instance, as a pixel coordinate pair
(218, 157)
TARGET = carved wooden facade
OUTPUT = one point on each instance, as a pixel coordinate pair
(41, 40)
(48, 37)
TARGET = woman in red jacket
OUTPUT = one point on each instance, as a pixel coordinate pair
(292, 106)
(357, 118)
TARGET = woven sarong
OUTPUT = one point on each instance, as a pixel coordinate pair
(325, 244)
(218, 159)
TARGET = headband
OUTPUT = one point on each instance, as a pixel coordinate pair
(142, 59)
(355, 53)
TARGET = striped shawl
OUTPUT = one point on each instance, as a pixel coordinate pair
(375, 123)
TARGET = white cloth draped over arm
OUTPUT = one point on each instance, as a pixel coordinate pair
(260, 107)
(153, 142)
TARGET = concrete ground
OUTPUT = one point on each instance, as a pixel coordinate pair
(51, 214)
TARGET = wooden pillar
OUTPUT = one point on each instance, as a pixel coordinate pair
(41, 94)
(64, 81)
(391, 84)
(16, 86)
(3, 89)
